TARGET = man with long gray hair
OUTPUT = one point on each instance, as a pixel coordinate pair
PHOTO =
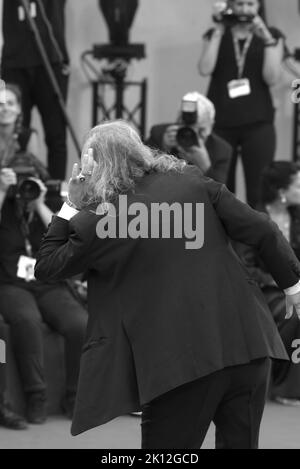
(176, 328)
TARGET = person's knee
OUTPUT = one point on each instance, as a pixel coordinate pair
(26, 320)
(74, 329)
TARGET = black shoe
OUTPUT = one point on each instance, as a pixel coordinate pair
(68, 404)
(36, 407)
(10, 419)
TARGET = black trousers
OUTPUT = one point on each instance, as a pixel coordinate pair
(256, 145)
(37, 91)
(24, 309)
(232, 398)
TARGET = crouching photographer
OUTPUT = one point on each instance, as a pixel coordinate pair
(192, 139)
(27, 203)
(243, 57)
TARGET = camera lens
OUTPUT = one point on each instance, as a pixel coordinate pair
(29, 190)
(186, 137)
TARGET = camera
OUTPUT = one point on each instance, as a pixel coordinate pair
(186, 136)
(27, 188)
(229, 18)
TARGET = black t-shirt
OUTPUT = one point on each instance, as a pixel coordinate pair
(19, 47)
(12, 239)
(246, 110)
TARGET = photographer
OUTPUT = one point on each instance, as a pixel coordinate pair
(25, 302)
(192, 138)
(8, 418)
(22, 65)
(243, 57)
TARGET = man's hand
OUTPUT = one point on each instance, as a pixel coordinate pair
(169, 138)
(292, 301)
(80, 179)
(7, 178)
(197, 155)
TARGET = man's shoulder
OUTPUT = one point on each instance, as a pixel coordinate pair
(194, 175)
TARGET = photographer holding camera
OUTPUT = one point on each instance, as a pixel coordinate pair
(192, 138)
(243, 57)
(25, 200)
(22, 64)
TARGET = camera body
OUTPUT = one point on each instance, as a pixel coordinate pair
(27, 188)
(229, 18)
(186, 136)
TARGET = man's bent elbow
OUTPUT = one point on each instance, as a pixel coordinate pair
(41, 272)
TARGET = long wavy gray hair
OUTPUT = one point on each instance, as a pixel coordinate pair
(122, 159)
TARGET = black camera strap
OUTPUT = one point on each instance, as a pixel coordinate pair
(24, 225)
(241, 55)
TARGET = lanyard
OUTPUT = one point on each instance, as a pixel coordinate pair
(240, 56)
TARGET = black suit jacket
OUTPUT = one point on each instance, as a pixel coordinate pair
(161, 315)
(220, 152)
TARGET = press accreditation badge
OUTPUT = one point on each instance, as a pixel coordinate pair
(238, 88)
(26, 268)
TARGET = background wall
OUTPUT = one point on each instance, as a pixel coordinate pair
(172, 31)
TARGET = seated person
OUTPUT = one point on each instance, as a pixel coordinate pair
(280, 200)
(25, 302)
(8, 418)
(195, 142)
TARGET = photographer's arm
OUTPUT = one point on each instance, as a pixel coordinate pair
(7, 178)
(210, 51)
(33, 144)
(38, 205)
(272, 63)
(197, 156)
(273, 51)
(44, 213)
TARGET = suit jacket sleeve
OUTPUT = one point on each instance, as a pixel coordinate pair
(253, 228)
(67, 248)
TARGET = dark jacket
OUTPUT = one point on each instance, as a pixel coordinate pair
(19, 46)
(250, 256)
(161, 315)
(220, 152)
